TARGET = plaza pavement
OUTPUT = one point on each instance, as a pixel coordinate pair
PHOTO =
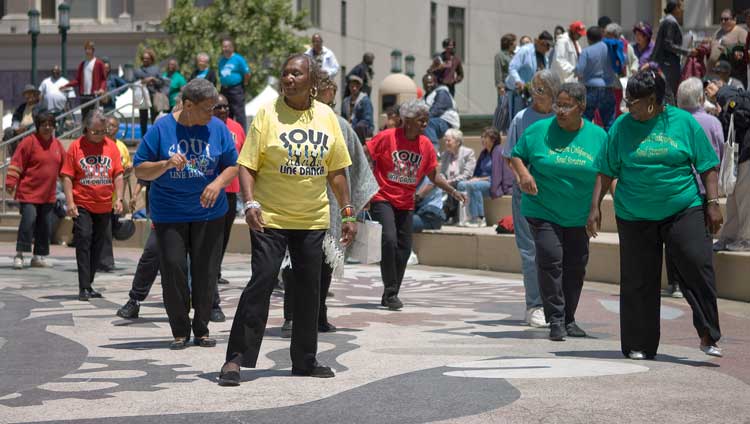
(457, 353)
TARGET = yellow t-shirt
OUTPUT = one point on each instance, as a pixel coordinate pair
(127, 164)
(292, 152)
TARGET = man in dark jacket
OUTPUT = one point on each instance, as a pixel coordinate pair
(668, 45)
(364, 72)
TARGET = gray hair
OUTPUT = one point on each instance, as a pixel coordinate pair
(203, 55)
(198, 90)
(413, 108)
(613, 29)
(576, 91)
(550, 81)
(455, 134)
(94, 117)
(690, 94)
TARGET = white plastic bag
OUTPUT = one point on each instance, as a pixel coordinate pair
(366, 245)
(728, 170)
(141, 96)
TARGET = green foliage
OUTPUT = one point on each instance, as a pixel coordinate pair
(264, 32)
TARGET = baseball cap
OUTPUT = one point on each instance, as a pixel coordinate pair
(578, 27)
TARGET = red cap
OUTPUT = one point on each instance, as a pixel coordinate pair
(578, 27)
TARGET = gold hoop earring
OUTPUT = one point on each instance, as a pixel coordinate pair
(651, 108)
(314, 92)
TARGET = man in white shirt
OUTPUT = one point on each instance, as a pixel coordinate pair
(324, 56)
(52, 95)
(567, 49)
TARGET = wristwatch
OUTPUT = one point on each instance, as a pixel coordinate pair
(251, 204)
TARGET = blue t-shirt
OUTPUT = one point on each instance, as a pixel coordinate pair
(232, 70)
(594, 67)
(483, 167)
(209, 149)
(518, 125)
(202, 74)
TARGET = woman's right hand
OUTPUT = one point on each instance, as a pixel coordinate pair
(254, 219)
(178, 161)
(71, 210)
(594, 223)
(527, 184)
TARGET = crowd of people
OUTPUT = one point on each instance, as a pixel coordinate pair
(567, 132)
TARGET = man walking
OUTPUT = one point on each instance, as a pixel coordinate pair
(233, 75)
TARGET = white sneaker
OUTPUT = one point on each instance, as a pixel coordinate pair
(535, 318)
(39, 262)
(739, 246)
(18, 262)
(413, 259)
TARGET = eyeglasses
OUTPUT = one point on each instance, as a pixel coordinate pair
(539, 91)
(563, 109)
(95, 132)
(220, 107)
(630, 102)
(723, 19)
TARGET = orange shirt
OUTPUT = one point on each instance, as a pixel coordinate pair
(93, 168)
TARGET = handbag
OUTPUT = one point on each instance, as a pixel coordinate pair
(366, 245)
(728, 170)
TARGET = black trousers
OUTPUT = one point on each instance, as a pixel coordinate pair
(83, 98)
(107, 259)
(236, 98)
(641, 245)
(268, 248)
(561, 257)
(228, 222)
(395, 245)
(202, 242)
(34, 228)
(90, 231)
(326, 273)
(363, 131)
(148, 269)
(143, 118)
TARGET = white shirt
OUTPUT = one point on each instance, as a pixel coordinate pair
(565, 57)
(51, 94)
(88, 76)
(326, 60)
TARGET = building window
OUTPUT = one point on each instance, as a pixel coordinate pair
(114, 8)
(313, 11)
(456, 28)
(433, 28)
(84, 9)
(343, 18)
(49, 9)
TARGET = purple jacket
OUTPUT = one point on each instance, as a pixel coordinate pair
(501, 181)
(712, 127)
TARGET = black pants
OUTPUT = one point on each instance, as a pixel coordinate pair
(561, 257)
(84, 98)
(395, 245)
(326, 272)
(148, 269)
(107, 259)
(363, 131)
(143, 118)
(268, 248)
(90, 231)
(690, 247)
(236, 98)
(228, 222)
(202, 242)
(34, 227)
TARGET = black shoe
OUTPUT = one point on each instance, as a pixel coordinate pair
(83, 295)
(318, 371)
(129, 310)
(204, 341)
(178, 344)
(222, 281)
(574, 330)
(93, 293)
(392, 302)
(329, 294)
(104, 268)
(286, 329)
(217, 315)
(326, 327)
(229, 378)
(557, 332)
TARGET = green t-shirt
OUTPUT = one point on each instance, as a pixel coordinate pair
(653, 162)
(177, 81)
(563, 164)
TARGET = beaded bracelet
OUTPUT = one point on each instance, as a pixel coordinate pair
(348, 219)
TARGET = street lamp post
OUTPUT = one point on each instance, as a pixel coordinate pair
(34, 31)
(409, 60)
(63, 16)
(396, 61)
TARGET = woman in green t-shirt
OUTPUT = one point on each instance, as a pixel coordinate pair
(555, 162)
(652, 152)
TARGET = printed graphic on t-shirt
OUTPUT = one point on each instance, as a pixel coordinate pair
(405, 167)
(227, 69)
(306, 150)
(199, 159)
(96, 170)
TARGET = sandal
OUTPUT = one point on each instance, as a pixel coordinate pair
(204, 341)
(229, 377)
(179, 343)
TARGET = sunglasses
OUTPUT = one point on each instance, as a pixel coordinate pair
(723, 19)
(631, 102)
(562, 109)
(95, 132)
(221, 107)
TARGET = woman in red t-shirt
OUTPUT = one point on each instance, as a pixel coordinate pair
(400, 158)
(32, 178)
(92, 173)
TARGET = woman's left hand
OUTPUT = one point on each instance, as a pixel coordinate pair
(713, 218)
(459, 196)
(209, 195)
(348, 232)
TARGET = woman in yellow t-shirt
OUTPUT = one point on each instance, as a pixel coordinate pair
(294, 148)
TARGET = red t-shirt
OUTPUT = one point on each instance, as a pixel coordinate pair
(400, 164)
(238, 134)
(93, 168)
(34, 168)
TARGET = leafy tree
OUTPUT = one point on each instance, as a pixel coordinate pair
(264, 32)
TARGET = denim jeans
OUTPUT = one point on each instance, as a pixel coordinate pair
(525, 244)
(476, 190)
(603, 100)
(426, 220)
(34, 226)
(435, 130)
